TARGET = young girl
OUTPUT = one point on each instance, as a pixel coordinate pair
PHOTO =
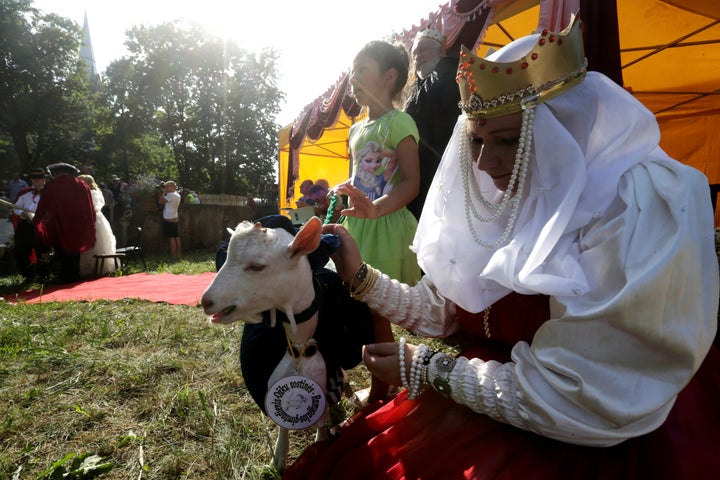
(386, 143)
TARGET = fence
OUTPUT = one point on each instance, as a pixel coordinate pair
(202, 226)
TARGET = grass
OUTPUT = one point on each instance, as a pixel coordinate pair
(130, 390)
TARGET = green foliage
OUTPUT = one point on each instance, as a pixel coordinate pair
(184, 104)
(45, 99)
(209, 102)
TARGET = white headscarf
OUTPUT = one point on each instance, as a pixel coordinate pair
(584, 140)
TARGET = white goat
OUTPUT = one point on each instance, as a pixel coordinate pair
(267, 270)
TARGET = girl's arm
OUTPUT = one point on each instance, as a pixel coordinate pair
(401, 194)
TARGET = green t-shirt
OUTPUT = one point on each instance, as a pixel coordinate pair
(372, 149)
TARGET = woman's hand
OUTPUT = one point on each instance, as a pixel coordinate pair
(347, 257)
(383, 361)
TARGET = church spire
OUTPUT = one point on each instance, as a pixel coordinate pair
(86, 51)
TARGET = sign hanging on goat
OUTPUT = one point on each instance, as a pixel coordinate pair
(295, 402)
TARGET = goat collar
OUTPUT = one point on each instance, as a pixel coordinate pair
(308, 313)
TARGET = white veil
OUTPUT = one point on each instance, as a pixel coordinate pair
(584, 140)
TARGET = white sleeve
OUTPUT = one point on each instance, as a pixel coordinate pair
(20, 202)
(609, 364)
(419, 309)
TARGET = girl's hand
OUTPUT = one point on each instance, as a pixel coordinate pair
(362, 206)
(383, 361)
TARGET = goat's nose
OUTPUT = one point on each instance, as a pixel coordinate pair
(206, 303)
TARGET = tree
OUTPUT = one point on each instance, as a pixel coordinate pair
(45, 102)
(212, 103)
(130, 143)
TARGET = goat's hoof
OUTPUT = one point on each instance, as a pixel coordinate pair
(280, 466)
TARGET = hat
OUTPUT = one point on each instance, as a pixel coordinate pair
(549, 65)
(115, 177)
(37, 172)
(432, 34)
(56, 168)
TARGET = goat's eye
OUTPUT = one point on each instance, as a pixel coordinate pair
(255, 267)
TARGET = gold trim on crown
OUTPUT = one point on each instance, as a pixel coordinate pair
(554, 64)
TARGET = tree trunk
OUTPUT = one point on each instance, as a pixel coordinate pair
(19, 139)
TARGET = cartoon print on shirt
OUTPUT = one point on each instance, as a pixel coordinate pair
(374, 170)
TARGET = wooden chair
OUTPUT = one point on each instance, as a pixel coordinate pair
(134, 251)
(118, 258)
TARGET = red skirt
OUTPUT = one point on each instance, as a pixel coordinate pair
(433, 437)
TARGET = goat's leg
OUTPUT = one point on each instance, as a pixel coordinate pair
(282, 445)
(321, 432)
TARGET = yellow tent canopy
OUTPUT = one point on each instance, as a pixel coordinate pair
(326, 158)
(670, 59)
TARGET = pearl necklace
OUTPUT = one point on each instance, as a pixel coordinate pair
(519, 174)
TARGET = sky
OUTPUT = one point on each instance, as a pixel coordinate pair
(316, 39)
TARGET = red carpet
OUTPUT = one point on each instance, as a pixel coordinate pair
(161, 287)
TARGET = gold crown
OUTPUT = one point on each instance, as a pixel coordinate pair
(554, 64)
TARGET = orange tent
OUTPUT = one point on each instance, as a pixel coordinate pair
(670, 58)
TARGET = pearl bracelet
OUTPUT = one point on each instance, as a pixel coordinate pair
(416, 372)
(401, 357)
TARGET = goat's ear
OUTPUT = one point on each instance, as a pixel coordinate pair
(307, 239)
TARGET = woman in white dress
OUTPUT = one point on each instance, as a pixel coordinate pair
(104, 238)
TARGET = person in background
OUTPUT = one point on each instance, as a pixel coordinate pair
(192, 198)
(114, 186)
(305, 187)
(15, 184)
(65, 218)
(124, 203)
(385, 231)
(28, 248)
(572, 262)
(322, 183)
(105, 242)
(171, 202)
(250, 200)
(318, 195)
(108, 209)
(432, 101)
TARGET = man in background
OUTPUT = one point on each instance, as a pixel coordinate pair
(109, 208)
(65, 218)
(28, 246)
(432, 102)
(170, 200)
(15, 184)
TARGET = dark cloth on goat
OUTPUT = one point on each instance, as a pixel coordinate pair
(344, 325)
